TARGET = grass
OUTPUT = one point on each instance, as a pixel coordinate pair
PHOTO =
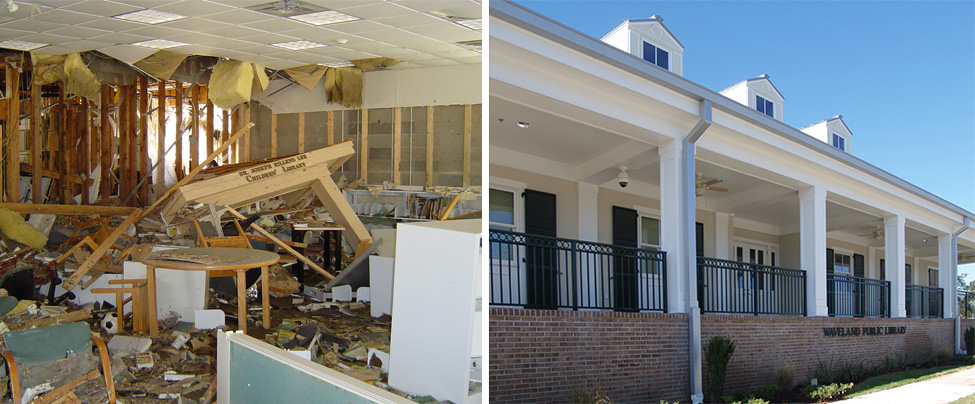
(965, 400)
(891, 380)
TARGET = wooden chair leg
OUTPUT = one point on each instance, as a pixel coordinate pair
(106, 368)
(14, 377)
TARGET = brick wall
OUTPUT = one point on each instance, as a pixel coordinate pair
(764, 344)
(540, 356)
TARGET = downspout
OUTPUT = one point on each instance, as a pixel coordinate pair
(954, 275)
(688, 213)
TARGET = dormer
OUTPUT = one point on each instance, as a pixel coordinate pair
(832, 131)
(650, 40)
(757, 93)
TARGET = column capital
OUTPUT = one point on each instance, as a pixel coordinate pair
(815, 191)
(670, 147)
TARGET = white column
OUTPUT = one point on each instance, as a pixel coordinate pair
(812, 248)
(722, 235)
(894, 262)
(671, 234)
(946, 275)
(588, 219)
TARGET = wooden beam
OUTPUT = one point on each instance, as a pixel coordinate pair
(75, 278)
(106, 141)
(123, 139)
(235, 121)
(179, 126)
(192, 173)
(429, 149)
(335, 204)
(301, 132)
(70, 151)
(274, 135)
(160, 131)
(247, 137)
(76, 179)
(397, 142)
(225, 134)
(467, 146)
(59, 143)
(144, 166)
(84, 140)
(12, 151)
(133, 150)
(195, 125)
(330, 128)
(209, 132)
(36, 143)
(364, 147)
(283, 245)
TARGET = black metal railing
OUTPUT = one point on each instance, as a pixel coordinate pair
(924, 301)
(966, 303)
(852, 296)
(741, 288)
(548, 272)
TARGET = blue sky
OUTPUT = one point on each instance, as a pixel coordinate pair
(902, 73)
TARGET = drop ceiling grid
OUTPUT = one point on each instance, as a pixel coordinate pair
(398, 29)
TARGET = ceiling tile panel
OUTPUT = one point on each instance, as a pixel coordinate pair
(78, 32)
(238, 16)
(111, 24)
(31, 26)
(268, 38)
(282, 64)
(409, 20)
(52, 3)
(101, 8)
(62, 17)
(436, 47)
(86, 45)
(195, 8)
(445, 31)
(128, 53)
(194, 24)
(47, 38)
(277, 24)
(122, 38)
(432, 5)
(374, 11)
(145, 3)
(157, 31)
(8, 33)
(357, 27)
(340, 4)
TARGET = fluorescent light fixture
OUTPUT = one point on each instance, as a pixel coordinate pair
(324, 17)
(159, 44)
(298, 45)
(150, 16)
(21, 45)
(473, 23)
(344, 63)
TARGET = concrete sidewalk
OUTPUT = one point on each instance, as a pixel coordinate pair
(944, 389)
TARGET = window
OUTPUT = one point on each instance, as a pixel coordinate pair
(839, 142)
(933, 277)
(841, 263)
(908, 273)
(764, 106)
(501, 209)
(656, 56)
(649, 233)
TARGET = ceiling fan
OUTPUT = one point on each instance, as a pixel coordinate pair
(701, 185)
(876, 234)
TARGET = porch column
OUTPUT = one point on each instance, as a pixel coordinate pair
(946, 275)
(812, 248)
(872, 270)
(671, 226)
(722, 235)
(588, 221)
(894, 262)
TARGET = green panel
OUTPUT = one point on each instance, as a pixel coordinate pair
(50, 343)
(257, 379)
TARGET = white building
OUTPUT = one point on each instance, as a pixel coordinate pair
(790, 222)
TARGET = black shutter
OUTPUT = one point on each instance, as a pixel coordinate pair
(541, 260)
(625, 268)
(858, 266)
(883, 269)
(699, 235)
(539, 213)
(829, 260)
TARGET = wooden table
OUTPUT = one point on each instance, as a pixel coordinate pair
(213, 259)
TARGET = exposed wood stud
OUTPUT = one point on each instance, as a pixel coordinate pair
(59, 142)
(235, 148)
(84, 133)
(160, 131)
(209, 132)
(70, 135)
(12, 151)
(467, 146)
(301, 132)
(397, 142)
(429, 148)
(144, 165)
(36, 143)
(247, 137)
(274, 135)
(330, 128)
(195, 126)
(225, 134)
(123, 139)
(107, 141)
(178, 86)
(364, 148)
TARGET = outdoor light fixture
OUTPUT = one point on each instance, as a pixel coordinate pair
(11, 6)
(524, 125)
(623, 178)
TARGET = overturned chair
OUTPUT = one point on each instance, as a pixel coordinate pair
(60, 355)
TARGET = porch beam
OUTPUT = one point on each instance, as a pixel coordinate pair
(614, 157)
(764, 195)
(812, 248)
(894, 257)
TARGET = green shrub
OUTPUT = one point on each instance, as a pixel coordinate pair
(827, 392)
(717, 354)
(767, 392)
(589, 394)
(785, 378)
(753, 400)
(970, 341)
(823, 372)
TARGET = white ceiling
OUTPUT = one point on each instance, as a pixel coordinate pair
(398, 29)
